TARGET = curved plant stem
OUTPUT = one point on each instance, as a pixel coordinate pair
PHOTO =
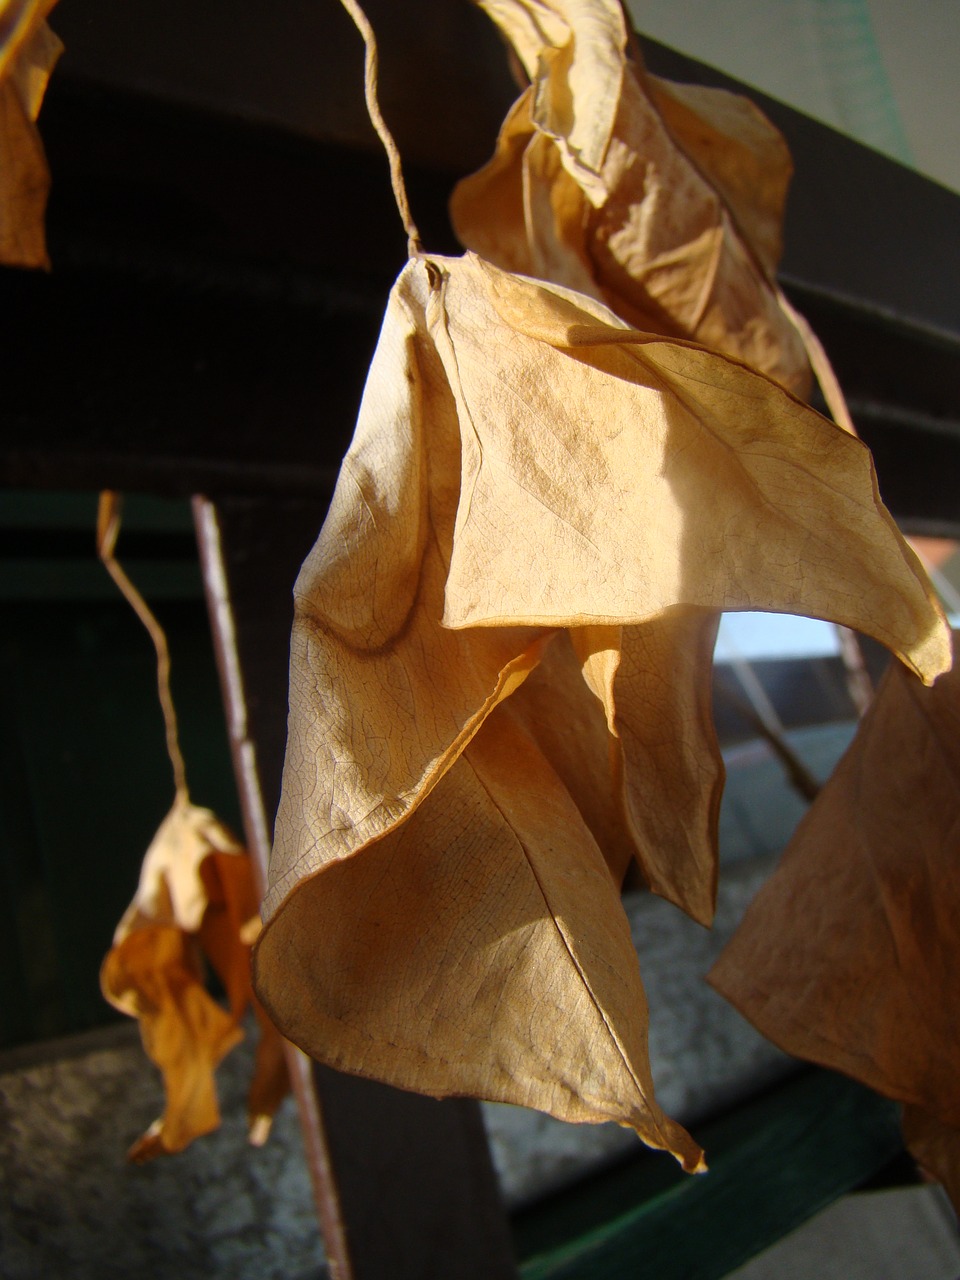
(859, 684)
(820, 363)
(108, 527)
(371, 64)
(798, 775)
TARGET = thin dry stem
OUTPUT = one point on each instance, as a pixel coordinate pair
(859, 683)
(820, 363)
(108, 527)
(371, 64)
(798, 775)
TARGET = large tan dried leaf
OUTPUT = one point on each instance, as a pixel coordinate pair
(663, 201)
(194, 905)
(538, 518)
(848, 956)
(478, 948)
(28, 51)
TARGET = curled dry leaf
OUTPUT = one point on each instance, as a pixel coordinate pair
(28, 51)
(155, 975)
(539, 515)
(664, 201)
(848, 956)
(194, 904)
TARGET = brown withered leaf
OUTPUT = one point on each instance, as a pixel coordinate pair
(28, 51)
(193, 906)
(230, 924)
(936, 1148)
(171, 889)
(664, 201)
(154, 974)
(539, 515)
(848, 956)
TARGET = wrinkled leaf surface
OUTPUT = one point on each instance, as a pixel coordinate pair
(671, 213)
(537, 520)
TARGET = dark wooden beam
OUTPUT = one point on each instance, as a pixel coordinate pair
(218, 284)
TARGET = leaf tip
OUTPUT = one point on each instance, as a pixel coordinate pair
(259, 1130)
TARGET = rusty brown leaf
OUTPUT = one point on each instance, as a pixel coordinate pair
(154, 975)
(936, 1148)
(194, 905)
(539, 516)
(28, 51)
(664, 201)
(848, 956)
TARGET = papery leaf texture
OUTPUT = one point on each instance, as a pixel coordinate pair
(193, 907)
(664, 201)
(848, 955)
(539, 516)
(28, 51)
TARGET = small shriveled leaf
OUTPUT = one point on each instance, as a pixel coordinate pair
(154, 975)
(171, 888)
(195, 903)
(848, 956)
(671, 216)
(539, 516)
(28, 51)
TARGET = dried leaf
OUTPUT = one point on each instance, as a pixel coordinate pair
(28, 51)
(171, 888)
(936, 1148)
(441, 914)
(226, 936)
(193, 904)
(737, 151)
(663, 201)
(848, 956)
(154, 975)
(478, 948)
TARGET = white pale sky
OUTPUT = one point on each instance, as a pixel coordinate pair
(884, 71)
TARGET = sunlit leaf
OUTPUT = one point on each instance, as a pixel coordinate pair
(663, 201)
(539, 516)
